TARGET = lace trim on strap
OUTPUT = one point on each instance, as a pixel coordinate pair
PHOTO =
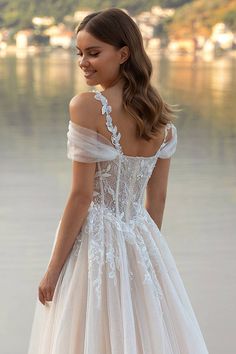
(106, 110)
(167, 127)
(168, 148)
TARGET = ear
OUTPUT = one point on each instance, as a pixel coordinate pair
(124, 54)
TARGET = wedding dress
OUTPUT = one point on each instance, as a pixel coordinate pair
(119, 291)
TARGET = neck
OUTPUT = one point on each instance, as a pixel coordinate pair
(118, 83)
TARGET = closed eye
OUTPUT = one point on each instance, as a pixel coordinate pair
(94, 54)
(91, 54)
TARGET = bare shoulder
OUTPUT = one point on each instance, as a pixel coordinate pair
(84, 110)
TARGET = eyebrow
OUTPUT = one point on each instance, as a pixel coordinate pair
(92, 47)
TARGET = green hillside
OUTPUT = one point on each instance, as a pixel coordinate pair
(18, 13)
(191, 17)
(199, 17)
(133, 6)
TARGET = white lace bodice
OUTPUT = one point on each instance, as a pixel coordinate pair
(120, 180)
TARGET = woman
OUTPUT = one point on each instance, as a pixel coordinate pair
(111, 285)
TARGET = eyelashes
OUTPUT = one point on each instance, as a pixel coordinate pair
(91, 54)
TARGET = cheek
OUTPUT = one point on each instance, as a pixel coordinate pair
(110, 64)
(109, 59)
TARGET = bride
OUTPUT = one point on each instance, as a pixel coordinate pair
(112, 285)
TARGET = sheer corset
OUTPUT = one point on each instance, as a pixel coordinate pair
(120, 185)
(120, 180)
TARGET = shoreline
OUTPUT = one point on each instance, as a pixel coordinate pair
(12, 50)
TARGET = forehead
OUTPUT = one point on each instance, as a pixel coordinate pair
(85, 40)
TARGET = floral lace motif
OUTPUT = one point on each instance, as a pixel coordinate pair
(118, 223)
(106, 110)
(104, 250)
(167, 127)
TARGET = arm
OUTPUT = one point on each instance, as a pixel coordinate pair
(77, 205)
(74, 213)
(156, 190)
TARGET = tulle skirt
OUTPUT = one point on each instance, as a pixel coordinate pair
(119, 292)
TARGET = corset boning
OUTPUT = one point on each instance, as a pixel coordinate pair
(120, 185)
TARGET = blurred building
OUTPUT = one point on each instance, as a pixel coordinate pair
(60, 36)
(79, 15)
(23, 38)
(43, 21)
(148, 20)
(222, 36)
(182, 46)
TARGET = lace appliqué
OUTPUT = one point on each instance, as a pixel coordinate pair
(118, 225)
(106, 110)
(150, 277)
(167, 127)
(104, 254)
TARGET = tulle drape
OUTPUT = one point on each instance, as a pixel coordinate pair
(87, 145)
(169, 148)
(138, 306)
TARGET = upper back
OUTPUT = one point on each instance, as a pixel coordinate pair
(104, 113)
(131, 144)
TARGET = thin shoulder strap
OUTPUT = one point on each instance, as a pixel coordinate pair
(106, 110)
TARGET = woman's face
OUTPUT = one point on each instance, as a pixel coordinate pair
(99, 61)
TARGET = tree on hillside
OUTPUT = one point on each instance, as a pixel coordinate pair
(198, 18)
(19, 13)
(230, 19)
(57, 8)
(173, 3)
(133, 6)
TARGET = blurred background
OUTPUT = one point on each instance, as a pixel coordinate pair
(192, 45)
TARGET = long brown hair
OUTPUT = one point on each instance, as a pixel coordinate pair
(140, 98)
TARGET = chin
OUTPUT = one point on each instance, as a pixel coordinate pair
(91, 82)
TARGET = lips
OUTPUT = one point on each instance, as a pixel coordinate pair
(88, 74)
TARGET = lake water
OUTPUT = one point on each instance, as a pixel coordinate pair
(199, 220)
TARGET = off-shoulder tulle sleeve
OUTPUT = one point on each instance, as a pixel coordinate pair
(87, 145)
(169, 147)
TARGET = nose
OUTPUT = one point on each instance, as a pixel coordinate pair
(83, 62)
